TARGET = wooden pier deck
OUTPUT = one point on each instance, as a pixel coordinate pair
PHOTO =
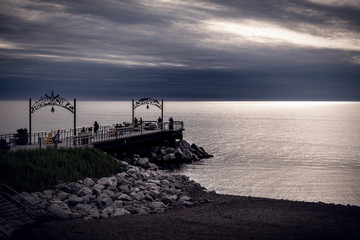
(107, 138)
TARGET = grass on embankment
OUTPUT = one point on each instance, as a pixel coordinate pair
(40, 169)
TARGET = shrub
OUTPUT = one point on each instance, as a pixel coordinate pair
(40, 169)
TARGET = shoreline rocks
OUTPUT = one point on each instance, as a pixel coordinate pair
(138, 190)
(141, 189)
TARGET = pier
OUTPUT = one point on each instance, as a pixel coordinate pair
(108, 137)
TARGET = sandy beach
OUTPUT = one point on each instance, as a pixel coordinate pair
(215, 216)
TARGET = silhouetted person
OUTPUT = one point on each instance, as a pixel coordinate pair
(171, 124)
(136, 121)
(83, 129)
(159, 120)
(141, 121)
(56, 138)
(96, 126)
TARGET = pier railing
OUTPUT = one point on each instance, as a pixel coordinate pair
(86, 135)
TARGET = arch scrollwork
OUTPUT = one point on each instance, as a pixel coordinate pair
(147, 101)
(52, 100)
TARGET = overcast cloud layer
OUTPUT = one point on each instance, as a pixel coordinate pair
(181, 49)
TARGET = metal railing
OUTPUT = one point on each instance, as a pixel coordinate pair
(15, 199)
(86, 135)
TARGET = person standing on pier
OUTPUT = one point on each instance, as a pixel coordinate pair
(135, 121)
(171, 123)
(96, 126)
(159, 122)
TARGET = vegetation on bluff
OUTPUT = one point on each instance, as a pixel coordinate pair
(40, 169)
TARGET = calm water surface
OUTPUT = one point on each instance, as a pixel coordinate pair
(307, 151)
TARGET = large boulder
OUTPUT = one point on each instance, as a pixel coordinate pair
(124, 197)
(137, 195)
(48, 192)
(120, 212)
(157, 206)
(143, 162)
(60, 211)
(94, 213)
(179, 155)
(107, 212)
(183, 145)
(84, 209)
(169, 157)
(104, 200)
(185, 201)
(107, 181)
(75, 186)
(84, 191)
(124, 188)
(32, 198)
(73, 200)
(89, 182)
(63, 187)
(153, 167)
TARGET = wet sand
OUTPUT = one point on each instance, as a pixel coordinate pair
(215, 216)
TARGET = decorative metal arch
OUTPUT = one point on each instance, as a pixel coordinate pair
(148, 101)
(52, 100)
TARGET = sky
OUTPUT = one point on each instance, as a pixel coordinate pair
(180, 49)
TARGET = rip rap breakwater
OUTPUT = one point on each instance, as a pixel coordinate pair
(141, 189)
(181, 152)
(135, 191)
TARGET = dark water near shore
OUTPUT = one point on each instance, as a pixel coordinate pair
(307, 151)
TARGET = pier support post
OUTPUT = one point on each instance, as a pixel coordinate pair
(133, 109)
(74, 116)
(30, 120)
(162, 114)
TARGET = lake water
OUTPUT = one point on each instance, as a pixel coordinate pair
(306, 151)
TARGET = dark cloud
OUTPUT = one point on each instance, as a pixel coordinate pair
(276, 50)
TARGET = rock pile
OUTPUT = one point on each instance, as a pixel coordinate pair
(141, 189)
(138, 190)
(183, 152)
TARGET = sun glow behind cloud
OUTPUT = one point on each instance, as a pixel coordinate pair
(8, 45)
(261, 32)
(354, 3)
